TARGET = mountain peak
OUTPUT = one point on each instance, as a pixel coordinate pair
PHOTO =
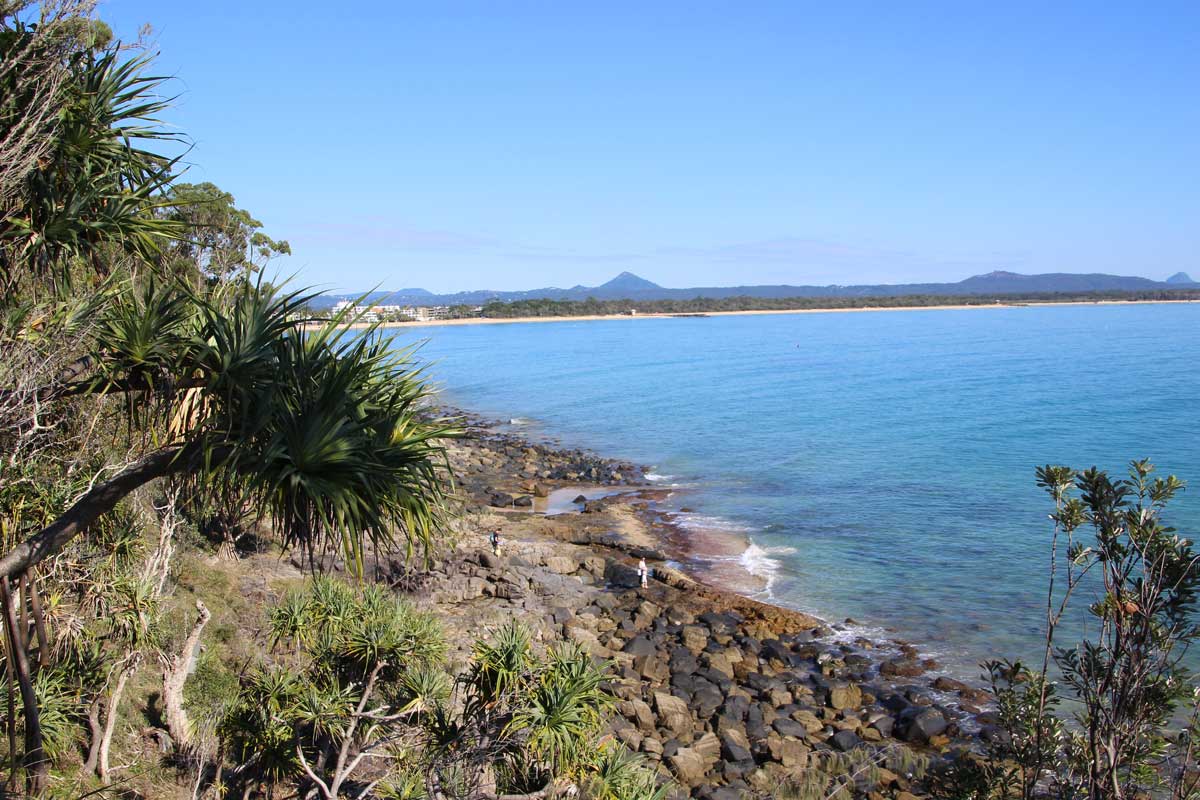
(1180, 277)
(627, 281)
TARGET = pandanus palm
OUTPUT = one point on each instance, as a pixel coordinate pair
(319, 427)
(97, 184)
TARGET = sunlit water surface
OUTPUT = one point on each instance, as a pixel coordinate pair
(881, 464)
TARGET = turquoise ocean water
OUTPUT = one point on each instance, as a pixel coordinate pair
(881, 464)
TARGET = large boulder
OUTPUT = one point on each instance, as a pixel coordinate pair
(845, 696)
(688, 765)
(560, 565)
(621, 575)
(734, 744)
(919, 725)
(845, 740)
(673, 713)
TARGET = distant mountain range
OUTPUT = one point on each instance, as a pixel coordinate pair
(628, 286)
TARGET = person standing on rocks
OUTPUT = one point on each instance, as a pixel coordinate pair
(494, 540)
(644, 573)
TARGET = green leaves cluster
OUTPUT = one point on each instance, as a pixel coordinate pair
(358, 671)
(1125, 681)
(344, 687)
(528, 720)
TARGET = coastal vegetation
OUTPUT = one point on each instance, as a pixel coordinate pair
(1095, 718)
(702, 305)
(159, 400)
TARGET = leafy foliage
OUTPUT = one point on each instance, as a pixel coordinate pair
(1126, 680)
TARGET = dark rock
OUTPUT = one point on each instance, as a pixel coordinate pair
(944, 684)
(640, 646)
(490, 561)
(896, 703)
(733, 747)
(621, 575)
(789, 727)
(736, 707)
(845, 740)
(919, 724)
(775, 649)
(884, 725)
(683, 661)
(580, 499)
(706, 701)
(725, 624)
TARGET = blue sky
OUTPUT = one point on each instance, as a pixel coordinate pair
(462, 145)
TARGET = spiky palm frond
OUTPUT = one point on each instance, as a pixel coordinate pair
(291, 619)
(499, 666)
(59, 711)
(99, 184)
(132, 611)
(422, 688)
(257, 727)
(562, 711)
(616, 774)
(409, 784)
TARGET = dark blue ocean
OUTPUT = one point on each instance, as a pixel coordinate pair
(880, 464)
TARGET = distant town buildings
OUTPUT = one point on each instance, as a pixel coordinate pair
(391, 313)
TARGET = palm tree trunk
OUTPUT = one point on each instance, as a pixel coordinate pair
(110, 720)
(36, 766)
(39, 623)
(95, 733)
(12, 711)
(175, 675)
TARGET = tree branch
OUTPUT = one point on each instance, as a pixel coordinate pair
(97, 501)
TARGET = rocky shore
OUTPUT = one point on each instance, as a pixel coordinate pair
(729, 696)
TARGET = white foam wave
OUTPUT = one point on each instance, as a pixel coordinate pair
(518, 421)
(655, 477)
(704, 522)
(763, 562)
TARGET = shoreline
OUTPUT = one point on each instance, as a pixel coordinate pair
(689, 637)
(709, 555)
(756, 312)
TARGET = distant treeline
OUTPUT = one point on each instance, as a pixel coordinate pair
(701, 305)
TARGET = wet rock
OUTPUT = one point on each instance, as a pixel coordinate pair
(501, 499)
(905, 668)
(919, 725)
(944, 684)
